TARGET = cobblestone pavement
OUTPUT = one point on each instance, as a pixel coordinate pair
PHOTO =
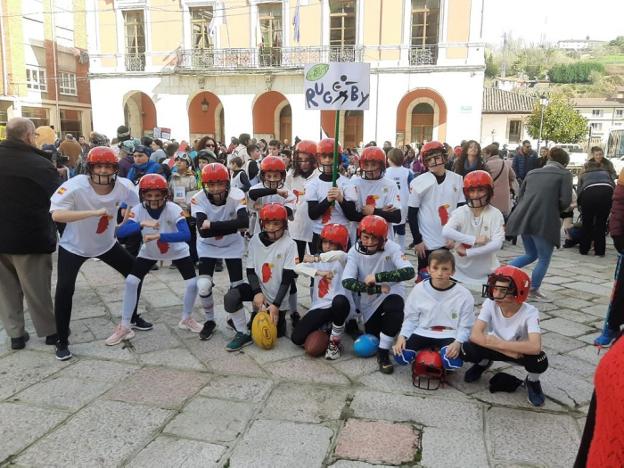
(173, 400)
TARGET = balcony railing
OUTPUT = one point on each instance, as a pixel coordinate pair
(135, 62)
(425, 55)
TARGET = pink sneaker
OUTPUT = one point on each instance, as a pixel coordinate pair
(191, 325)
(121, 333)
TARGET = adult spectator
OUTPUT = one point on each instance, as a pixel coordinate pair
(543, 157)
(524, 160)
(208, 143)
(123, 134)
(82, 141)
(241, 150)
(158, 153)
(27, 234)
(126, 158)
(597, 159)
(504, 179)
(72, 150)
(543, 195)
(147, 142)
(469, 160)
(387, 146)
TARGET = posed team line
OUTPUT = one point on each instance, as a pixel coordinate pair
(347, 236)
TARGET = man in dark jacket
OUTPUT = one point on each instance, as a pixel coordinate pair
(524, 161)
(27, 234)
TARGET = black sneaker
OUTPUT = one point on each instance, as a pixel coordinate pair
(139, 324)
(208, 330)
(51, 339)
(474, 373)
(281, 324)
(20, 341)
(534, 390)
(62, 352)
(383, 359)
(352, 329)
(294, 318)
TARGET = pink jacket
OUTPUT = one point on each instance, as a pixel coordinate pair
(504, 182)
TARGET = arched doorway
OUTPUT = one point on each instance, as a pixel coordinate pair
(351, 130)
(139, 114)
(272, 117)
(421, 116)
(206, 116)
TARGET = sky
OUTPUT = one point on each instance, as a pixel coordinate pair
(553, 20)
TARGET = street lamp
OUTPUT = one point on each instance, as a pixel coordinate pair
(204, 105)
(543, 104)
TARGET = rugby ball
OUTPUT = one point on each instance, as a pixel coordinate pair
(263, 330)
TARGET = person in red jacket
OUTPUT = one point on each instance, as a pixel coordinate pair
(615, 311)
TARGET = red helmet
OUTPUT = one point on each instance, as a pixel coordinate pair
(477, 179)
(375, 226)
(376, 154)
(428, 370)
(273, 164)
(214, 172)
(273, 212)
(431, 148)
(519, 285)
(336, 233)
(326, 146)
(306, 146)
(150, 182)
(106, 156)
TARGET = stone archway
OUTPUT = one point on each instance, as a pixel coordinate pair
(417, 111)
(139, 114)
(271, 116)
(206, 116)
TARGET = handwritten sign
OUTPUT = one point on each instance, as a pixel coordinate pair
(337, 86)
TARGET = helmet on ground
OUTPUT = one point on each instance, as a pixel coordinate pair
(324, 149)
(102, 156)
(405, 357)
(428, 370)
(336, 234)
(519, 283)
(263, 330)
(375, 156)
(216, 182)
(475, 180)
(375, 226)
(273, 164)
(434, 152)
(273, 212)
(366, 345)
(153, 183)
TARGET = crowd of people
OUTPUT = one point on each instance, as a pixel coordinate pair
(289, 211)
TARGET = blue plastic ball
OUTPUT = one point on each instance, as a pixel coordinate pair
(366, 345)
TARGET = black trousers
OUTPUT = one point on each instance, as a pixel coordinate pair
(388, 317)
(142, 266)
(615, 310)
(192, 243)
(418, 342)
(595, 205)
(234, 267)
(536, 364)
(315, 319)
(67, 270)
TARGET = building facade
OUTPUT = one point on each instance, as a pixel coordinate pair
(603, 115)
(220, 68)
(504, 116)
(45, 64)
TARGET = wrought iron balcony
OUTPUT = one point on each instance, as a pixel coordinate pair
(135, 62)
(423, 55)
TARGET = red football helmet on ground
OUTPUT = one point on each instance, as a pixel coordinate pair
(337, 234)
(519, 283)
(151, 183)
(273, 164)
(102, 155)
(324, 149)
(377, 156)
(215, 181)
(478, 179)
(273, 212)
(428, 370)
(375, 226)
(435, 152)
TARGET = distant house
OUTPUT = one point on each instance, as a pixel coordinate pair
(602, 114)
(579, 44)
(503, 116)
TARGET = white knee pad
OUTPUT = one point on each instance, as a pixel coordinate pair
(204, 285)
(132, 280)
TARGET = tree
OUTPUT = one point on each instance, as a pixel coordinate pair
(562, 123)
(491, 67)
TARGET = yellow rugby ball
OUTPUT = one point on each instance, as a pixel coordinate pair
(263, 330)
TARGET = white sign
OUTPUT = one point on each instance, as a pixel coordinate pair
(337, 86)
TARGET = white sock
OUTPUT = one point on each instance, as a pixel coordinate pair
(129, 299)
(240, 320)
(337, 331)
(533, 377)
(190, 294)
(401, 242)
(292, 302)
(385, 341)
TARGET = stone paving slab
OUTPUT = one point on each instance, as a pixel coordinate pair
(64, 393)
(182, 453)
(98, 370)
(355, 464)
(290, 445)
(232, 387)
(559, 343)
(453, 448)
(20, 370)
(175, 358)
(307, 369)
(565, 327)
(102, 434)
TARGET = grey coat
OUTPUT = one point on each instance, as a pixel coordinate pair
(544, 193)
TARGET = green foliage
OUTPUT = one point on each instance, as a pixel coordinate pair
(578, 72)
(618, 43)
(562, 123)
(492, 69)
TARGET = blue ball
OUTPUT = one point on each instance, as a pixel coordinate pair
(405, 358)
(366, 345)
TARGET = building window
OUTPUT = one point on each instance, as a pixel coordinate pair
(619, 113)
(67, 83)
(38, 115)
(201, 17)
(64, 22)
(515, 131)
(32, 19)
(71, 122)
(596, 113)
(342, 23)
(4, 112)
(135, 40)
(36, 78)
(596, 126)
(422, 123)
(270, 20)
(424, 34)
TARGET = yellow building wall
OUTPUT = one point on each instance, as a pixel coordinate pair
(166, 31)
(107, 23)
(80, 24)
(388, 14)
(235, 30)
(458, 27)
(16, 66)
(310, 21)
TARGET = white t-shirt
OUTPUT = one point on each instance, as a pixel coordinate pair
(269, 262)
(316, 190)
(169, 217)
(288, 202)
(93, 236)
(515, 328)
(359, 266)
(438, 314)
(378, 193)
(300, 227)
(464, 227)
(400, 176)
(229, 245)
(435, 203)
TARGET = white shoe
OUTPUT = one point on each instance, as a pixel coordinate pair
(191, 325)
(536, 295)
(121, 333)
